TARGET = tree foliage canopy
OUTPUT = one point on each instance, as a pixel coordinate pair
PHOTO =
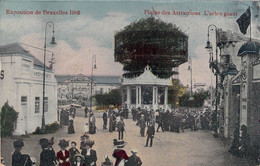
(111, 98)
(175, 92)
(199, 98)
(8, 117)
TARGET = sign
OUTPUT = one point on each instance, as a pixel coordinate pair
(2, 75)
(40, 74)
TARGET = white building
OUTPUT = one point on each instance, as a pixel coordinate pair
(22, 87)
(79, 86)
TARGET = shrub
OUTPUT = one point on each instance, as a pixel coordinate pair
(37, 131)
(8, 117)
(50, 128)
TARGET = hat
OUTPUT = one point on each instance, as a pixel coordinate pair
(133, 151)
(63, 143)
(85, 136)
(89, 143)
(78, 155)
(142, 115)
(119, 143)
(18, 143)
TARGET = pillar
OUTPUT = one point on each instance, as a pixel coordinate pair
(128, 99)
(136, 97)
(140, 95)
(155, 97)
(166, 98)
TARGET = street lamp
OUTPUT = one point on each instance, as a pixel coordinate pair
(94, 66)
(190, 68)
(208, 46)
(51, 24)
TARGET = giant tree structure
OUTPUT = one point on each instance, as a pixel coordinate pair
(151, 42)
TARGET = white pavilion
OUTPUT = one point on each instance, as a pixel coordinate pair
(145, 91)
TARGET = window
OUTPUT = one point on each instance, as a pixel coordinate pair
(45, 104)
(37, 104)
(23, 100)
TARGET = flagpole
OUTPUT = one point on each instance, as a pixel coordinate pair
(250, 22)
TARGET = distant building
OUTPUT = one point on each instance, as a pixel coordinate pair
(22, 86)
(78, 87)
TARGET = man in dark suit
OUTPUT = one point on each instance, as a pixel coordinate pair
(150, 134)
(46, 156)
(105, 120)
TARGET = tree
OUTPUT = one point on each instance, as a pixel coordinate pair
(175, 92)
(198, 99)
(111, 98)
(8, 117)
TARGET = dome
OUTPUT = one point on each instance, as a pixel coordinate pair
(251, 47)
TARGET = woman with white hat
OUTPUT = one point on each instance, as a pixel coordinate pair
(120, 153)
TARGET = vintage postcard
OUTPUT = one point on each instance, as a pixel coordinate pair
(130, 83)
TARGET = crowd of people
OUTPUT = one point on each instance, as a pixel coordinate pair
(64, 157)
(174, 121)
(85, 156)
(113, 120)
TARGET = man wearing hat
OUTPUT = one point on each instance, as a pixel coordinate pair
(107, 162)
(90, 155)
(142, 125)
(46, 156)
(78, 160)
(134, 160)
(120, 153)
(19, 159)
(53, 154)
(63, 155)
(150, 134)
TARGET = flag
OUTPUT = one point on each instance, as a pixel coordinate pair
(244, 21)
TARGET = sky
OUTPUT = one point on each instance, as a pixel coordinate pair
(91, 31)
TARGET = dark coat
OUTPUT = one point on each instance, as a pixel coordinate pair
(71, 127)
(105, 116)
(47, 158)
(150, 131)
(134, 161)
(72, 152)
(88, 159)
(141, 123)
(120, 126)
(19, 159)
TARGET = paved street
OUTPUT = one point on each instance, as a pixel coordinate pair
(170, 149)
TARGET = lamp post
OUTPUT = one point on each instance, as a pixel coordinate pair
(51, 24)
(94, 66)
(190, 68)
(208, 46)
